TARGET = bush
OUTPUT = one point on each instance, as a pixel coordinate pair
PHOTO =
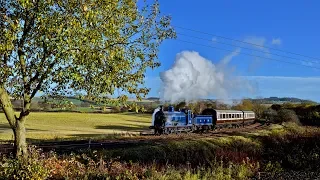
(28, 168)
(281, 116)
(285, 115)
(50, 166)
(270, 115)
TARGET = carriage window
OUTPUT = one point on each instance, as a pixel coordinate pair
(229, 115)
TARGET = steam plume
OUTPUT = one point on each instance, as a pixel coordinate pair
(193, 77)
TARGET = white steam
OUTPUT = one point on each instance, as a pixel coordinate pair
(193, 77)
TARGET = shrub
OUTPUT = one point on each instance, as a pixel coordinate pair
(51, 166)
(285, 115)
(32, 167)
(270, 115)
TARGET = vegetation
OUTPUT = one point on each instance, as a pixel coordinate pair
(279, 151)
(70, 47)
(307, 114)
(53, 126)
(238, 156)
(50, 166)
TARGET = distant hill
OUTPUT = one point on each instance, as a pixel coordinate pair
(87, 105)
(281, 100)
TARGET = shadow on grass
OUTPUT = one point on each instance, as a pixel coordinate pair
(139, 121)
(122, 128)
(6, 127)
(145, 115)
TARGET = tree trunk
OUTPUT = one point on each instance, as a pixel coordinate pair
(16, 124)
(20, 144)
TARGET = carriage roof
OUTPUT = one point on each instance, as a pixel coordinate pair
(232, 111)
(228, 111)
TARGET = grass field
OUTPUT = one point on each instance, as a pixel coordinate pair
(42, 125)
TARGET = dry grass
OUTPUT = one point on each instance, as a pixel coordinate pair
(65, 125)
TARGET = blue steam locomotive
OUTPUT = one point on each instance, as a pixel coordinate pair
(209, 119)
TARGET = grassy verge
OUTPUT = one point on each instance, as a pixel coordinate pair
(54, 126)
(275, 151)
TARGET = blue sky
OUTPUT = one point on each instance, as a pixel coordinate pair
(286, 25)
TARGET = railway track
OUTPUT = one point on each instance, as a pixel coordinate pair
(144, 139)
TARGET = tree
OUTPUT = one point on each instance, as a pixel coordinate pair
(244, 105)
(276, 107)
(286, 115)
(180, 105)
(87, 48)
(258, 109)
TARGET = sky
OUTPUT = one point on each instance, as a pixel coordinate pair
(291, 26)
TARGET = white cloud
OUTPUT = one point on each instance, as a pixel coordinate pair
(228, 57)
(281, 86)
(276, 41)
(193, 77)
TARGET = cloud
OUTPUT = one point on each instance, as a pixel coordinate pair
(280, 86)
(228, 58)
(276, 41)
(193, 77)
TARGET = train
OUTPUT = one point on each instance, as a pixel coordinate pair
(209, 119)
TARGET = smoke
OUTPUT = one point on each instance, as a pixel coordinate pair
(193, 77)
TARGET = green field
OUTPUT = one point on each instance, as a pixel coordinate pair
(41, 125)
